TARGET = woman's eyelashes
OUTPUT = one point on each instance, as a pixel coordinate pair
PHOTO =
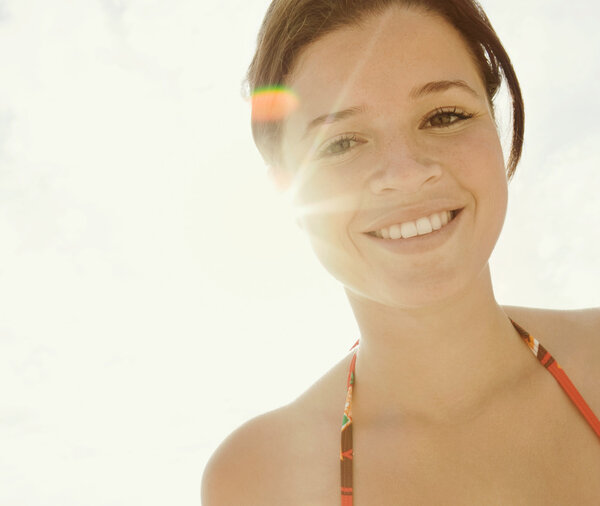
(340, 145)
(442, 117)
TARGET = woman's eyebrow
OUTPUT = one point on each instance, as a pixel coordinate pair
(332, 118)
(440, 86)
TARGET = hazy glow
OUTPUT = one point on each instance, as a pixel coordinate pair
(335, 204)
(155, 290)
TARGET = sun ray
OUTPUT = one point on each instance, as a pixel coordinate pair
(337, 104)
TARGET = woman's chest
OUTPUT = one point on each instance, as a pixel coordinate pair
(486, 469)
(539, 454)
(495, 472)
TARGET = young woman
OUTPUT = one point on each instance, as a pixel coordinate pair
(393, 157)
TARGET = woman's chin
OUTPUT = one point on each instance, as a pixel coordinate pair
(420, 293)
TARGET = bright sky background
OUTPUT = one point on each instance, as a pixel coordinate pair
(154, 291)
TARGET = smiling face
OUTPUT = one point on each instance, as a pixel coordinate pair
(394, 126)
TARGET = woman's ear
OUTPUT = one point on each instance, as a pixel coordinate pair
(280, 177)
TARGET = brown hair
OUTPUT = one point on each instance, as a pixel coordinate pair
(291, 25)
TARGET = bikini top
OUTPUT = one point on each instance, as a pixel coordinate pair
(538, 350)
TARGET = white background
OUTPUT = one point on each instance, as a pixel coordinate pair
(154, 290)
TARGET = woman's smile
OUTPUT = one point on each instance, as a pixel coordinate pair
(421, 226)
(421, 237)
(415, 220)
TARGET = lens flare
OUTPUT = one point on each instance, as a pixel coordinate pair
(273, 103)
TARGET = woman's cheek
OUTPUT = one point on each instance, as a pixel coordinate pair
(477, 155)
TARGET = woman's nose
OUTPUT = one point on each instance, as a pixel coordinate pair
(404, 168)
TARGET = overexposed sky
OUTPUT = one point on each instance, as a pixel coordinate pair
(154, 290)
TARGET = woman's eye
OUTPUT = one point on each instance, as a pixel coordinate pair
(446, 117)
(340, 146)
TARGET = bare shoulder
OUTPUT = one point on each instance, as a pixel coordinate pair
(573, 338)
(242, 469)
(574, 329)
(269, 459)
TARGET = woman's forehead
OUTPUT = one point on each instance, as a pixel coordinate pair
(387, 55)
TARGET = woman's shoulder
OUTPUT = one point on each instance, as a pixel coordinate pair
(242, 466)
(572, 337)
(572, 331)
(270, 458)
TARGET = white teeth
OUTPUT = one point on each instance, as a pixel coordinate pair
(395, 232)
(409, 229)
(422, 226)
(436, 221)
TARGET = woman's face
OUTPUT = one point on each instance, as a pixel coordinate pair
(415, 137)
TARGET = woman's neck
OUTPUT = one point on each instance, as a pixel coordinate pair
(436, 364)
